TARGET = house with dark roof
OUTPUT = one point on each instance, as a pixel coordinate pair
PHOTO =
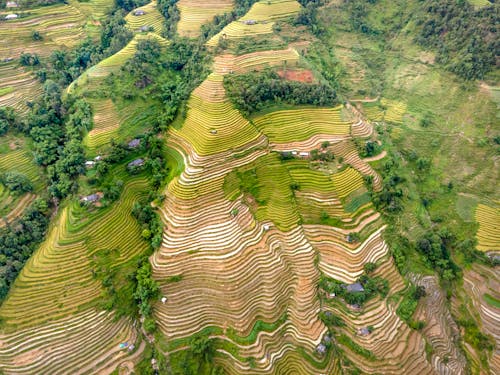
(134, 143)
(136, 163)
(139, 12)
(92, 198)
(356, 287)
(321, 349)
(363, 331)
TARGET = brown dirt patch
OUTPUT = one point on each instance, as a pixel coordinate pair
(27, 358)
(305, 76)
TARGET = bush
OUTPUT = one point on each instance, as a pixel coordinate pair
(16, 182)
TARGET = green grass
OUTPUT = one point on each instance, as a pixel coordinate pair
(6, 90)
(268, 182)
(492, 301)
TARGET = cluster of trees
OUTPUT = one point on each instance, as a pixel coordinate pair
(465, 39)
(8, 119)
(251, 92)
(371, 285)
(436, 247)
(150, 222)
(18, 240)
(16, 182)
(167, 75)
(390, 198)
(57, 127)
(172, 15)
(308, 15)
(358, 11)
(146, 290)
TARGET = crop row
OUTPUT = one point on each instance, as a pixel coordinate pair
(56, 280)
(195, 13)
(301, 124)
(106, 123)
(258, 21)
(84, 343)
(213, 127)
(488, 234)
(256, 60)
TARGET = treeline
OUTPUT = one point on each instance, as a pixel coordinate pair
(18, 241)
(251, 92)
(56, 128)
(172, 16)
(465, 39)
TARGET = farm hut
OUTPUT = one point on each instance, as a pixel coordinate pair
(304, 154)
(131, 347)
(11, 16)
(11, 4)
(92, 198)
(363, 331)
(134, 143)
(321, 349)
(327, 339)
(89, 163)
(8, 59)
(163, 299)
(136, 163)
(98, 157)
(139, 12)
(123, 345)
(330, 295)
(250, 22)
(145, 28)
(266, 227)
(356, 287)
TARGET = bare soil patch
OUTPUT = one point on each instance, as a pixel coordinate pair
(305, 76)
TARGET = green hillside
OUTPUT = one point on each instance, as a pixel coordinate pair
(249, 187)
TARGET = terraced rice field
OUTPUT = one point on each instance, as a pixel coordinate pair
(394, 111)
(94, 9)
(234, 232)
(254, 61)
(195, 13)
(488, 234)
(441, 331)
(21, 160)
(17, 87)
(56, 289)
(482, 286)
(59, 25)
(151, 19)
(215, 126)
(106, 124)
(302, 124)
(258, 21)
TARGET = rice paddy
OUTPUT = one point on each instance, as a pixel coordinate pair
(488, 234)
(194, 13)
